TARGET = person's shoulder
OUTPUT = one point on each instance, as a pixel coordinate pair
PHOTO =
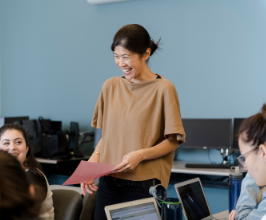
(111, 82)
(166, 85)
(35, 175)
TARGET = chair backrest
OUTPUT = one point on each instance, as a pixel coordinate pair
(97, 136)
(67, 204)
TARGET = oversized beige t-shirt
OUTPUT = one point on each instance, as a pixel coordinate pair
(136, 116)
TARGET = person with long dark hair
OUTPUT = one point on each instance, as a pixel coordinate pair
(17, 195)
(13, 139)
(139, 115)
(251, 204)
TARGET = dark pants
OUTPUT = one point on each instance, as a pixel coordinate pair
(109, 193)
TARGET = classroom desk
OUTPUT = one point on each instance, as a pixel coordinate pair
(224, 214)
(61, 166)
(179, 167)
(56, 161)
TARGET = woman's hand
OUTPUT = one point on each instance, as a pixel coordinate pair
(129, 162)
(232, 215)
(89, 187)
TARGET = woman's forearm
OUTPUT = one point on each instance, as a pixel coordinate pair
(95, 157)
(165, 147)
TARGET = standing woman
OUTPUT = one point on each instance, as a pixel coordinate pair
(139, 115)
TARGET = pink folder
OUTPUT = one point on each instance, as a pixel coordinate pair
(88, 171)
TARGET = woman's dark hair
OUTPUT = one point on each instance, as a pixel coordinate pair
(254, 128)
(16, 202)
(134, 38)
(30, 160)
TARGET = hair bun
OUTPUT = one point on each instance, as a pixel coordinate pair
(263, 111)
(154, 46)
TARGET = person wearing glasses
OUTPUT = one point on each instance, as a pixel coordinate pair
(251, 204)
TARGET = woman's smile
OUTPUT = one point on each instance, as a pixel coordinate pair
(127, 71)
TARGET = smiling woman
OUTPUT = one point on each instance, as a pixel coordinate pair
(132, 48)
(13, 139)
(141, 124)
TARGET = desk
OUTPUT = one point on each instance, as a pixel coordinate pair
(224, 214)
(179, 167)
(213, 178)
(53, 161)
(61, 166)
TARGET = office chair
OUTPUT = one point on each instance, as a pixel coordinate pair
(74, 139)
(67, 204)
(74, 135)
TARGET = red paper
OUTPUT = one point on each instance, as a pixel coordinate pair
(88, 171)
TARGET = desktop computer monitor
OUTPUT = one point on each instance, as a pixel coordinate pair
(237, 123)
(10, 120)
(207, 133)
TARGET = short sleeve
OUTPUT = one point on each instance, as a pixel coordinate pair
(172, 115)
(97, 118)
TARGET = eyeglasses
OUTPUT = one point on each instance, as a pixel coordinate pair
(242, 158)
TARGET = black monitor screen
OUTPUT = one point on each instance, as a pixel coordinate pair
(237, 123)
(207, 133)
(10, 120)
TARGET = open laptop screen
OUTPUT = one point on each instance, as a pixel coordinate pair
(194, 201)
(145, 211)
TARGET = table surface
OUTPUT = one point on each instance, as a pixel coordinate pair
(179, 167)
(53, 161)
(220, 215)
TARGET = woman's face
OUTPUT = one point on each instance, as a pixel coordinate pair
(14, 143)
(255, 161)
(130, 63)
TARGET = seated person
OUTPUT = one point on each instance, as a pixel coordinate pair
(251, 204)
(18, 200)
(247, 204)
(13, 139)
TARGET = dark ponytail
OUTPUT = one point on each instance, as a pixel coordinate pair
(154, 46)
(254, 128)
(134, 38)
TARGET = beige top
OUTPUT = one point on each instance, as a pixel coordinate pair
(136, 116)
(47, 208)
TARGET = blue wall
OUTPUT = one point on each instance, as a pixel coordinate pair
(55, 56)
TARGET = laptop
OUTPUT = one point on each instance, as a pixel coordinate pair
(193, 200)
(135, 210)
